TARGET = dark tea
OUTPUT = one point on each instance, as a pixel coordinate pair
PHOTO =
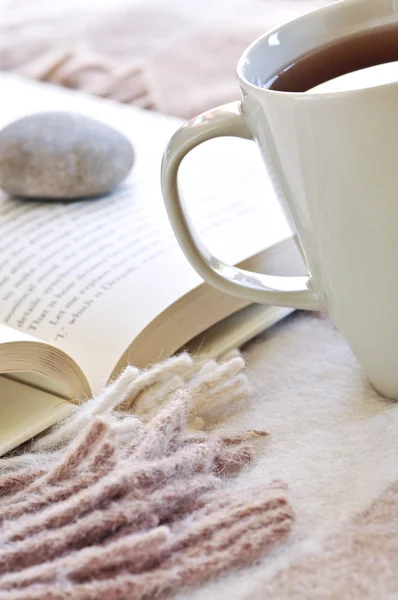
(360, 51)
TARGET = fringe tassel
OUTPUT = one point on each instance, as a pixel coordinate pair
(119, 505)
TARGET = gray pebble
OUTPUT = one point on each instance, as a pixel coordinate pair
(62, 155)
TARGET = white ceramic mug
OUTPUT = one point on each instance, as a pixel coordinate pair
(333, 160)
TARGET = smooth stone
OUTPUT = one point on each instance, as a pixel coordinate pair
(62, 155)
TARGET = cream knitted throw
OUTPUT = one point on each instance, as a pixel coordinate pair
(115, 505)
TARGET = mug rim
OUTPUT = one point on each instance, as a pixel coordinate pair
(336, 6)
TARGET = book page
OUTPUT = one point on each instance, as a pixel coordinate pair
(26, 411)
(235, 330)
(88, 276)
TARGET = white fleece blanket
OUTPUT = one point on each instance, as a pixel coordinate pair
(333, 439)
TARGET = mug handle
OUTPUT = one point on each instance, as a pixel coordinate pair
(226, 120)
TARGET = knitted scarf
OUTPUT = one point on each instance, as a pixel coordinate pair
(132, 496)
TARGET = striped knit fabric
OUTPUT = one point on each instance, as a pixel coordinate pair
(118, 506)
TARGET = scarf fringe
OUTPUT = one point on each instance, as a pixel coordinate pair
(137, 505)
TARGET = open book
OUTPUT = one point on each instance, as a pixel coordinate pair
(87, 287)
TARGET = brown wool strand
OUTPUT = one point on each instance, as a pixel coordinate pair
(91, 561)
(118, 484)
(48, 544)
(34, 502)
(10, 484)
(230, 550)
(244, 437)
(78, 452)
(229, 515)
(158, 583)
